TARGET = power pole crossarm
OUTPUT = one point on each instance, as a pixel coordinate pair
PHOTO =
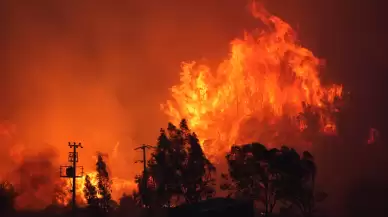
(71, 171)
(145, 177)
(143, 148)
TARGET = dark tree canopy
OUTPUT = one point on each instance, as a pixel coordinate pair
(104, 184)
(99, 197)
(271, 176)
(7, 197)
(90, 193)
(179, 168)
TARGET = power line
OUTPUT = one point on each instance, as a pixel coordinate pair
(71, 171)
(144, 161)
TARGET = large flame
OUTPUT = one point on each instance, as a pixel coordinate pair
(268, 76)
(267, 81)
(119, 187)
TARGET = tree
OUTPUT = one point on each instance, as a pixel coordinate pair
(7, 197)
(273, 175)
(179, 167)
(104, 185)
(129, 204)
(98, 196)
(159, 168)
(298, 186)
(252, 174)
(146, 195)
(197, 180)
(90, 193)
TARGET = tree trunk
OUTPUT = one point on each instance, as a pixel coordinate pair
(266, 201)
(272, 206)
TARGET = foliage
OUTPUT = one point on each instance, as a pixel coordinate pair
(7, 197)
(252, 174)
(90, 193)
(130, 200)
(99, 197)
(129, 204)
(271, 175)
(298, 186)
(146, 195)
(178, 167)
(104, 184)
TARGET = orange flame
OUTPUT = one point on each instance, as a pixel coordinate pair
(119, 186)
(267, 76)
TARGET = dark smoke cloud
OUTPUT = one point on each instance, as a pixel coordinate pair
(36, 180)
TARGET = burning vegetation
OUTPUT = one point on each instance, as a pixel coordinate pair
(261, 92)
(268, 89)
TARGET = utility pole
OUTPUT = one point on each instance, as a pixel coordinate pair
(71, 171)
(144, 161)
(143, 148)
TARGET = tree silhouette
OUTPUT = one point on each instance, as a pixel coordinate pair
(129, 204)
(298, 184)
(104, 184)
(197, 170)
(273, 175)
(146, 195)
(179, 167)
(99, 197)
(252, 175)
(90, 193)
(7, 197)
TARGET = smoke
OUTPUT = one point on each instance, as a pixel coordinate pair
(79, 71)
(70, 75)
(59, 90)
(35, 179)
(95, 72)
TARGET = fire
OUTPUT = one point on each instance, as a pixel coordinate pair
(119, 186)
(268, 77)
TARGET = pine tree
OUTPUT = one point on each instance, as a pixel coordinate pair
(179, 166)
(104, 185)
(90, 193)
(7, 197)
(198, 183)
(161, 169)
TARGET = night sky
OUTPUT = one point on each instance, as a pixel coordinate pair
(137, 46)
